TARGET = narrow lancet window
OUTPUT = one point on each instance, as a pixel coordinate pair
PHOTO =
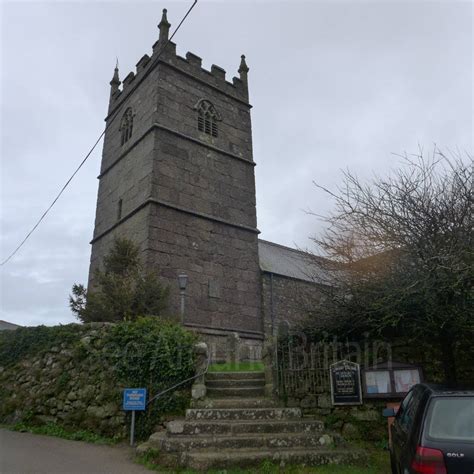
(126, 126)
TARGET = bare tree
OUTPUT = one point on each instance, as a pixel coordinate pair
(404, 252)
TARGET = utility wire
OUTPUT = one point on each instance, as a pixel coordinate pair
(54, 201)
(94, 146)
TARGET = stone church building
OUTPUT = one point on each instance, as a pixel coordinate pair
(178, 178)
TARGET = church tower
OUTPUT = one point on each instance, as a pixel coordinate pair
(177, 178)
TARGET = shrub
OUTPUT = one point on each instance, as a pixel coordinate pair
(157, 355)
(123, 290)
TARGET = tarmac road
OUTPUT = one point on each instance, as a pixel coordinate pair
(26, 453)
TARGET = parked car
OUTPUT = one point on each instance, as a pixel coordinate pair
(433, 432)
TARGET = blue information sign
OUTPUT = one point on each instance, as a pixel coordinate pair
(134, 399)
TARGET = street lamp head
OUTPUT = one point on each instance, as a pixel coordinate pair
(183, 281)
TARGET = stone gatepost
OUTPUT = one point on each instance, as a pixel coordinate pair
(233, 350)
(198, 390)
(268, 362)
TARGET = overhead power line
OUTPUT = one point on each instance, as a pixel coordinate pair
(93, 147)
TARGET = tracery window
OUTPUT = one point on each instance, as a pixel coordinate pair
(126, 126)
(207, 118)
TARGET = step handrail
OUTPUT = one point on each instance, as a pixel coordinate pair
(204, 372)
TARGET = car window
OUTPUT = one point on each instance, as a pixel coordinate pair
(451, 419)
(409, 407)
(403, 407)
(405, 402)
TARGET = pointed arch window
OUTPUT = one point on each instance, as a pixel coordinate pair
(207, 117)
(126, 126)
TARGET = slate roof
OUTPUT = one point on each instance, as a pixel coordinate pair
(292, 263)
(4, 325)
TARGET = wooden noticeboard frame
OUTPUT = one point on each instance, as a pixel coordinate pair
(390, 368)
(346, 388)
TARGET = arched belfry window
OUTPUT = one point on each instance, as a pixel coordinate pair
(207, 117)
(126, 126)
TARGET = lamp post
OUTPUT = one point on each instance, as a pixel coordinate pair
(182, 281)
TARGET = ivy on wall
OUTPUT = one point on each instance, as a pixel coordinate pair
(154, 356)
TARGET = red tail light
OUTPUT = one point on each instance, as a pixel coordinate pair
(428, 461)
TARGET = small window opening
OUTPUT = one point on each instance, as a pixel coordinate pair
(126, 126)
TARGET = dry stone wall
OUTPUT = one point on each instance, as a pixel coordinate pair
(66, 384)
(78, 383)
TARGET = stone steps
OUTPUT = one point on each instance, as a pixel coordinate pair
(210, 376)
(184, 427)
(237, 426)
(243, 414)
(234, 383)
(244, 392)
(224, 459)
(178, 444)
(230, 402)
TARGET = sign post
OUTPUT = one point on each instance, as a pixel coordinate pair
(345, 383)
(134, 399)
(132, 429)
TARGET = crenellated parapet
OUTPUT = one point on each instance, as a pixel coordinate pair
(142, 64)
(164, 52)
(128, 80)
(216, 77)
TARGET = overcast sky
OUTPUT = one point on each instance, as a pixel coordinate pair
(333, 84)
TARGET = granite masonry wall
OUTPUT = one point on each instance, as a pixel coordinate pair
(358, 422)
(287, 302)
(219, 263)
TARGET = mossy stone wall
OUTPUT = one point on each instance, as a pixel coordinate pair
(74, 375)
